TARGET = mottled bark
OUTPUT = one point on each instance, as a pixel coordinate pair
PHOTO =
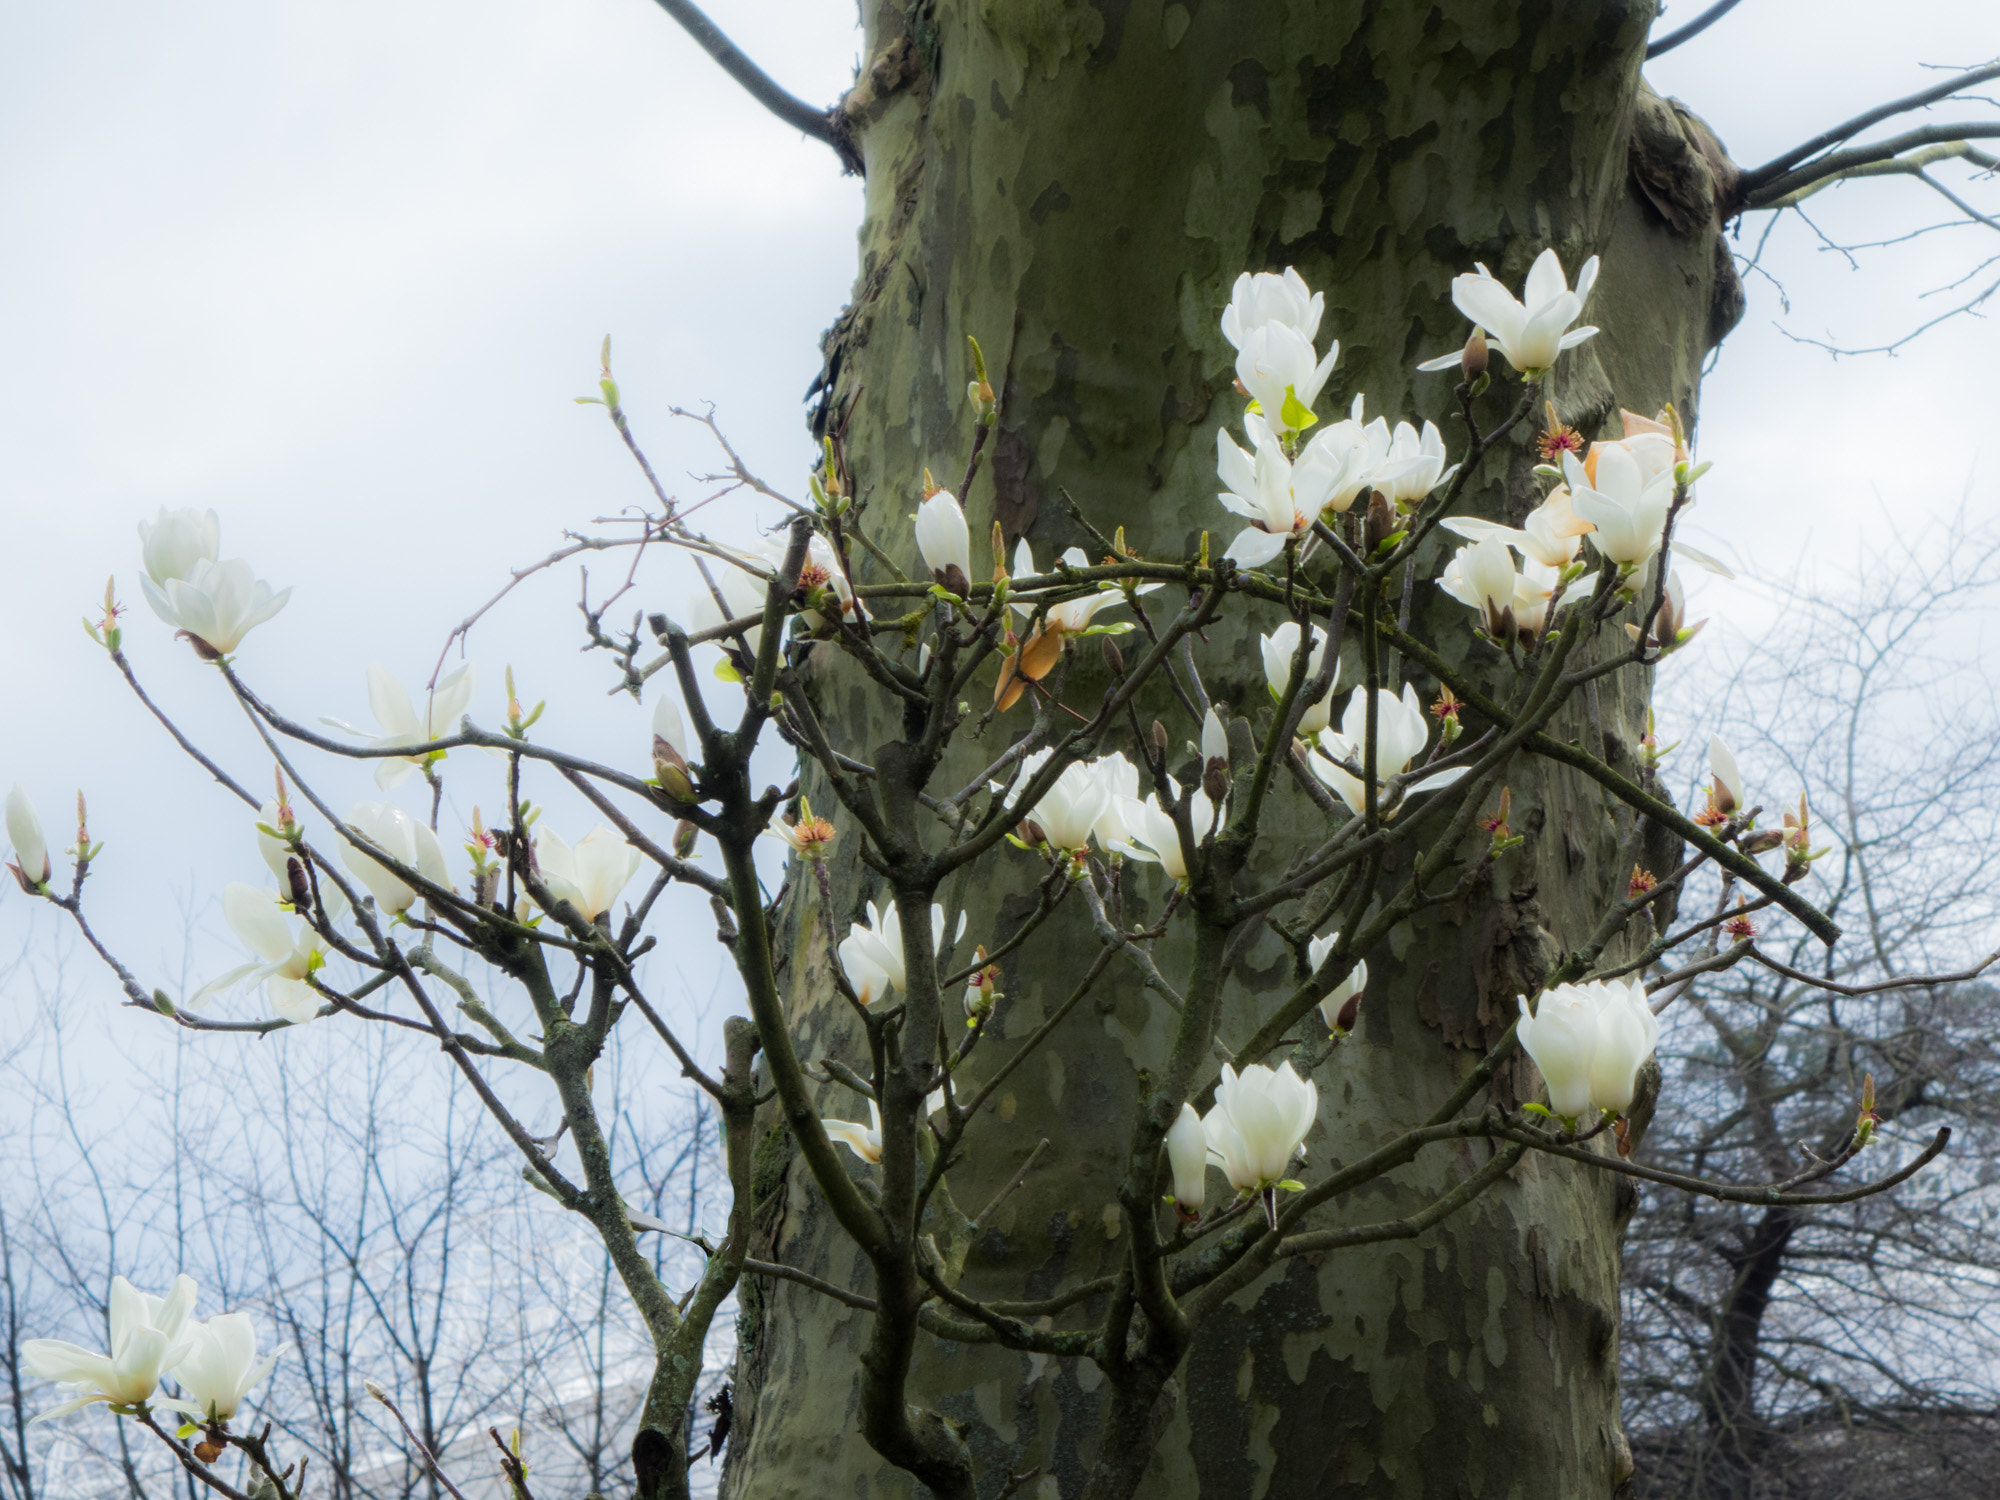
(1077, 185)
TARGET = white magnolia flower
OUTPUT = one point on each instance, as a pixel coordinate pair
(1481, 576)
(1259, 1123)
(945, 541)
(1401, 732)
(1590, 1040)
(169, 547)
(1072, 614)
(1278, 496)
(1627, 1033)
(1275, 363)
(821, 572)
(1413, 466)
(1068, 812)
(1726, 793)
(1627, 511)
(1187, 1155)
(288, 952)
(742, 593)
(1550, 535)
(1280, 646)
(667, 726)
(24, 831)
(1356, 450)
(1120, 780)
(219, 603)
(1355, 982)
(871, 955)
(1214, 739)
(1157, 840)
(1268, 297)
(402, 724)
(1534, 586)
(1530, 332)
(221, 1365)
(588, 875)
(148, 1335)
(865, 1141)
(406, 840)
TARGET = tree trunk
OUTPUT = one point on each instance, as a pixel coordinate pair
(1729, 1411)
(1077, 186)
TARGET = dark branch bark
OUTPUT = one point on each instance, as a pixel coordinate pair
(1692, 30)
(821, 124)
(1761, 177)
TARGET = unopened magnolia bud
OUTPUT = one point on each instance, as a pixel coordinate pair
(684, 837)
(299, 883)
(1113, 657)
(1349, 1014)
(1379, 524)
(1215, 780)
(1159, 738)
(1762, 842)
(374, 1389)
(1472, 358)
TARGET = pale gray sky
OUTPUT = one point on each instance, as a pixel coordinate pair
(337, 272)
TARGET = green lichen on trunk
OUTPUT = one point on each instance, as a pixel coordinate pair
(1077, 185)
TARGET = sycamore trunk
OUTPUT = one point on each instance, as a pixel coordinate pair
(1077, 185)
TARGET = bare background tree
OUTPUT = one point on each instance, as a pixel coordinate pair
(341, 1189)
(1785, 1352)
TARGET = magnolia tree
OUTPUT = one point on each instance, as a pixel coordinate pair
(1161, 835)
(1208, 1056)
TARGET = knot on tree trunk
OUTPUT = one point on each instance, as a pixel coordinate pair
(1683, 172)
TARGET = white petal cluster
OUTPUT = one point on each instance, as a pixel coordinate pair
(1071, 615)
(1258, 1123)
(215, 1362)
(407, 840)
(148, 1336)
(871, 955)
(1091, 800)
(1281, 497)
(24, 832)
(865, 1141)
(1623, 497)
(1187, 1156)
(945, 540)
(1725, 793)
(1273, 320)
(1155, 838)
(1355, 982)
(1279, 647)
(1401, 732)
(1590, 1040)
(1549, 537)
(288, 951)
(218, 603)
(221, 1366)
(1530, 330)
(590, 874)
(402, 724)
(1253, 1131)
(742, 595)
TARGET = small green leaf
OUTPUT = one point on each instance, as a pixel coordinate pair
(726, 670)
(1295, 414)
(1290, 1185)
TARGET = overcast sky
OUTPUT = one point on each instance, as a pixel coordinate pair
(338, 270)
